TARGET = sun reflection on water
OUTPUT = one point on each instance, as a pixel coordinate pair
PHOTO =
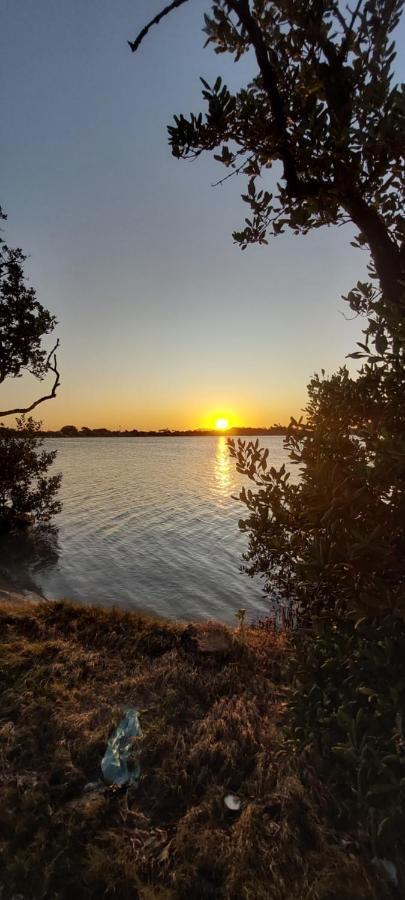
(223, 472)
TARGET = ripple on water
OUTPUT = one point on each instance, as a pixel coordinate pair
(150, 523)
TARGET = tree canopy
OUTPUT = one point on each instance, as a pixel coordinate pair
(324, 114)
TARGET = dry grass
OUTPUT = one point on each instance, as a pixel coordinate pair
(210, 726)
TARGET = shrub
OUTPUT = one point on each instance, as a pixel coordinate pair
(26, 491)
(330, 548)
(348, 692)
(336, 539)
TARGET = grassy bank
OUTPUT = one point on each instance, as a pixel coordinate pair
(211, 724)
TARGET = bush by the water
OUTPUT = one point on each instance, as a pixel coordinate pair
(27, 493)
(331, 547)
(347, 723)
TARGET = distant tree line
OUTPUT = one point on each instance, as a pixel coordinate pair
(71, 431)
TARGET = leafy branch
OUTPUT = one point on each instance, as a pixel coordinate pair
(50, 366)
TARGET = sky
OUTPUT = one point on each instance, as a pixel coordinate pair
(163, 321)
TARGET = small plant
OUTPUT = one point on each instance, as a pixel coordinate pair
(27, 494)
(240, 615)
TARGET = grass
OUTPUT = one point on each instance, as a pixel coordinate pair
(210, 726)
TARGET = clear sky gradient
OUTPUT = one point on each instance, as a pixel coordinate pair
(163, 321)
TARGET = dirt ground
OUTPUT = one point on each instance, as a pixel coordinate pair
(212, 724)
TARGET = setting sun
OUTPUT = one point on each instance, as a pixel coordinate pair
(222, 424)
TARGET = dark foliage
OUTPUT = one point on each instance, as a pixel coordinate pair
(347, 721)
(24, 322)
(26, 491)
(336, 539)
(324, 112)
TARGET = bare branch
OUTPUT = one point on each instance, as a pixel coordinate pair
(155, 21)
(52, 366)
(234, 172)
(340, 18)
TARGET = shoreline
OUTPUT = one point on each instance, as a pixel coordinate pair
(14, 590)
(106, 433)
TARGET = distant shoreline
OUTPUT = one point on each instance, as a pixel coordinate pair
(230, 432)
(276, 430)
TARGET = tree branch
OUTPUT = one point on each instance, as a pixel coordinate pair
(349, 30)
(387, 257)
(235, 171)
(241, 8)
(295, 185)
(155, 21)
(51, 365)
(336, 83)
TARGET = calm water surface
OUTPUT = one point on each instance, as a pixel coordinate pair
(150, 523)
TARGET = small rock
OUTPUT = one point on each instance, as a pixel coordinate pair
(232, 802)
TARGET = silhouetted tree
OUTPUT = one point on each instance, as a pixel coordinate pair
(24, 322)
(26, 493)
(323, 108)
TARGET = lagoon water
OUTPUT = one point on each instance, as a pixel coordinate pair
(150, 523)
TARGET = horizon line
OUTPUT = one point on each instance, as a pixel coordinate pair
(74, 431)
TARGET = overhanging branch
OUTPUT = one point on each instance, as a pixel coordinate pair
(51, 365)
(295, 185)
(336, 82)
(155, 21)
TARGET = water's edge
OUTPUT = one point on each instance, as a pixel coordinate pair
(147, 524)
